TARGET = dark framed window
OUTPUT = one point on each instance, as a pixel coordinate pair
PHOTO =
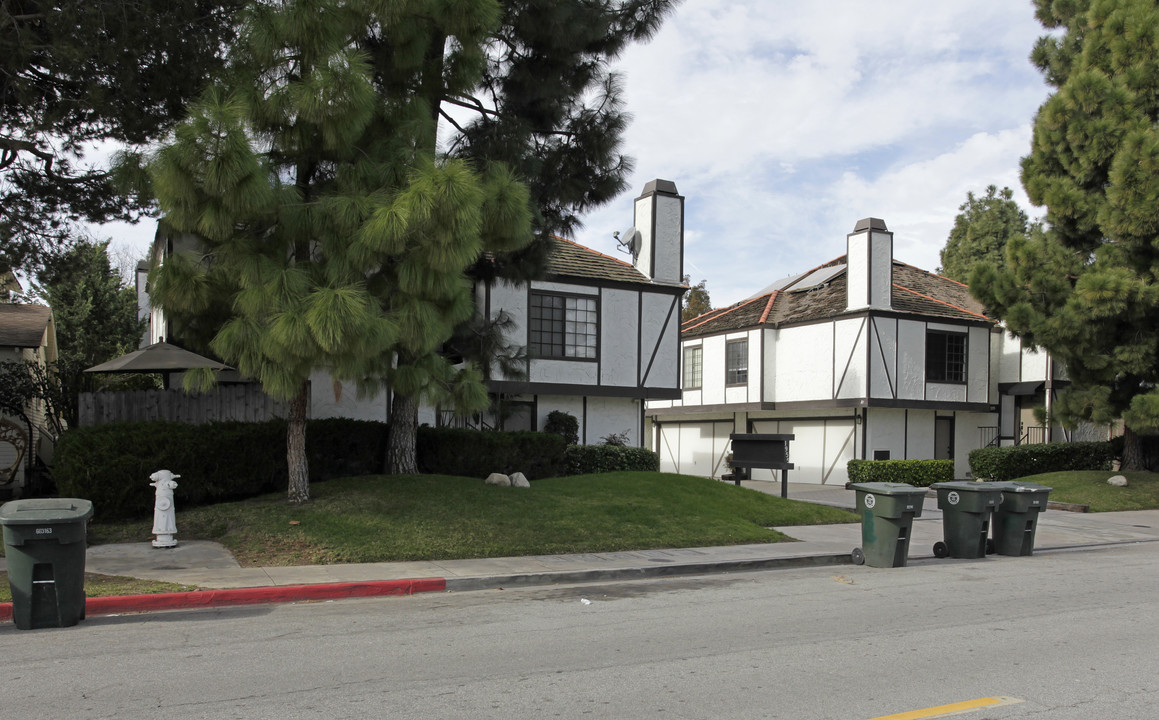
(563, 326)
(945, 357)
(693, 367)
(736, 362)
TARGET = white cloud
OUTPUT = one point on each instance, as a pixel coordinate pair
(784, 123)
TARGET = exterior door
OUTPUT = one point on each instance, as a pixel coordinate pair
(943, 438)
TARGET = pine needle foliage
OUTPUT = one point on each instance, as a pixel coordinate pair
(1084, 288)
(334, 237)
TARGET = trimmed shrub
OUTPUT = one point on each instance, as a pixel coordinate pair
(111, 464)
(588, 459)
(919, 473)
(563, 424)
(477, 453)
(1019, 461)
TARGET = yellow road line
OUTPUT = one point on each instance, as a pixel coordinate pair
(951, 709)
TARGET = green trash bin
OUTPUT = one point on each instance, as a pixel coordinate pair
(44, 542)
(1016, 518)
(887, 513)
(966, 509)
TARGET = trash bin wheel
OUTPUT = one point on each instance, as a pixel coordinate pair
(941, 550)
(858, 556)
(990, 547)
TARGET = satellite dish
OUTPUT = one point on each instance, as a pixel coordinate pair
(628, 241)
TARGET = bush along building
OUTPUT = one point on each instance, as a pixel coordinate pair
(600, 335)
(864, 357)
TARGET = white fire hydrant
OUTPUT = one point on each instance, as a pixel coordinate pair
(164, 514)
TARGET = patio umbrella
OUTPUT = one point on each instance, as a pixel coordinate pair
(160, 357)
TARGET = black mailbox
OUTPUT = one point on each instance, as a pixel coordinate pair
(763, 450)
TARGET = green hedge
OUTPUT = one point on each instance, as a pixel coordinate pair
(217, 462)
(475, 453)
(1018, 461)
(587, 459)
(111, 464)
(919, 473)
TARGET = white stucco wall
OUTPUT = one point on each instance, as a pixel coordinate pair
(804, 364)
(851, 338)
(607, 415)
(660, 324)
(619, 331)
(643, 220)
(911, 360)
(978, 365)
(883, 357)
(669, 234)
(330, 398)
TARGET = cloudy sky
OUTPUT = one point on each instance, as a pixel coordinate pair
(784, 122)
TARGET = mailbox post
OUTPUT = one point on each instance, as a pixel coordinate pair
(763, 450)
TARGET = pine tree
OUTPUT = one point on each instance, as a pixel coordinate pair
(95, 313)
(547, 106)
(981, 231)
(1085, 289)
(74, 72)
(335, 237)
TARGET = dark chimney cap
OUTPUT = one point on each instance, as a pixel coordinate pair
(661, 186)
(870, 224)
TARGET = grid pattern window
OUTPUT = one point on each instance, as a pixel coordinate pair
(945, 357)
(563, 326)
(693, 367)
(736, 362)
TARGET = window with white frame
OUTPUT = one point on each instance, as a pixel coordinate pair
(693, 367)
(945, 357)
(563, 326)
(736, 362)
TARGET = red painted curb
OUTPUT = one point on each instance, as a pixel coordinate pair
(250, 596)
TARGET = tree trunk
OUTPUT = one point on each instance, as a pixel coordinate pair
(1132, 451)
(401, 457)
(299, 466)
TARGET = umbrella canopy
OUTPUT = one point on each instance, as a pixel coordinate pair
(160, 357)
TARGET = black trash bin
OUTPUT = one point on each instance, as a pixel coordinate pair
(966, 508)
(44, 543)
(887, 513)
(1016, 518)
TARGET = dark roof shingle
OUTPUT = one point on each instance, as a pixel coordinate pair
(572, 260)
(23, 326)
(915, 292)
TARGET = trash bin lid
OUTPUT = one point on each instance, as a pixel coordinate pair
(45, 510)
(888, 488)
(969, 486)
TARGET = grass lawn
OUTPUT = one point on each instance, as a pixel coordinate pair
(433, 517)
(1089, 487)
(103, 585)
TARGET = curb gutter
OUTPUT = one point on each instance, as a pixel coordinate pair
(199, 599)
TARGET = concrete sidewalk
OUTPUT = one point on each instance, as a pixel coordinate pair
(209, 565)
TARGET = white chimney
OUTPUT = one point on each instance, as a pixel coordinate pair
(658, 245)
(869, 254)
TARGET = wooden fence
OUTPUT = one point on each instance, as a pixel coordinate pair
(244, 401)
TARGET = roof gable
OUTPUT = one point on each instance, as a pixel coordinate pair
(915, 292)
(569, 259)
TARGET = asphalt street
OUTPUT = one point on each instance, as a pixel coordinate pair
(1068, 635)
